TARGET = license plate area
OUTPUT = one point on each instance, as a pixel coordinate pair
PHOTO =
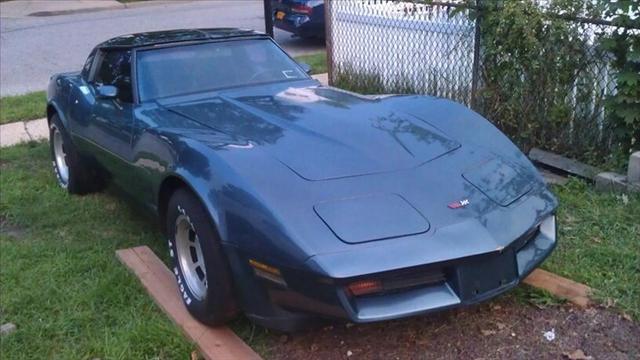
(480, 276)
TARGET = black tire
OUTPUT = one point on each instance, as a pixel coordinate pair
(78, 178)
(216, 304)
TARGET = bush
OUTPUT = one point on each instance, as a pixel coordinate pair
(544, 79)
(624, 45)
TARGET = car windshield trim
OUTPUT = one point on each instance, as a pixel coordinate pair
(137, 51)
(222, 89)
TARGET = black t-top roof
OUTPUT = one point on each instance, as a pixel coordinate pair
(178, 35)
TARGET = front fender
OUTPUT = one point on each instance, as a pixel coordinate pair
(464, 125)
(59, 93)
(243, 219)
(53, 107)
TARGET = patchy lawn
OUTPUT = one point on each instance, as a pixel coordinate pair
(60, 282)
(23, 107)
(599, 244)
(70, 298)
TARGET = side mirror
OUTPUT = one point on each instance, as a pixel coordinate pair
(305, 67)
(107, 92)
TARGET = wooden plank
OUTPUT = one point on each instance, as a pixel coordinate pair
(562, 163)
(157, 279)
(552, 178)
(561, 287)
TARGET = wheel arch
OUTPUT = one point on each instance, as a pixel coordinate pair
(54, 109)
(169, 185)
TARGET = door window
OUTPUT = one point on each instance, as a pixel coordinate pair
(86, 69)
(115, 69)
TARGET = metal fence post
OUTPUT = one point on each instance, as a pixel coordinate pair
(475, 72)
(268, 18)
(328, 36)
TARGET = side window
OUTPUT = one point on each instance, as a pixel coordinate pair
(115, 69)
(86, 69)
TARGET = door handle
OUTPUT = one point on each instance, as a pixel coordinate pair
(117, 104)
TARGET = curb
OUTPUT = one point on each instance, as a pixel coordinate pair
(68, 12)
(23, 131)
(323, 78)
(74, 11)
(118, 6)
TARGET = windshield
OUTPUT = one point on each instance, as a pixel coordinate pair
(203, 67)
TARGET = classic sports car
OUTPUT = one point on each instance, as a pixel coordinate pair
(292, 201)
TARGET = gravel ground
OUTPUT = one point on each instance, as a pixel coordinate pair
(503, 329)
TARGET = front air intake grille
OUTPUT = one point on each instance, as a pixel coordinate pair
(407, 279)
(524, 239)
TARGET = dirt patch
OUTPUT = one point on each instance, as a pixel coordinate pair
(503, 329)
(4, 164)
(9, 229)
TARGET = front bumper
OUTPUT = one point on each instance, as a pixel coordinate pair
(300, 25)
(464, 281)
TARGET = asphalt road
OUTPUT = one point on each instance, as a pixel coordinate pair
(33, 48)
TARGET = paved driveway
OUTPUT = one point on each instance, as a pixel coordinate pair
(33, 48)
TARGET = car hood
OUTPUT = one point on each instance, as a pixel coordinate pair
(406, 173)
(323, 133)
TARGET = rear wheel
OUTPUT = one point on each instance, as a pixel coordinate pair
(199, 264)
(71, 172)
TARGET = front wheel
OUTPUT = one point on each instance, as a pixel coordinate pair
(198, 262)
(71, 172)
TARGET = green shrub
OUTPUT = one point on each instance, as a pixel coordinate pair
(544, 81)
(624, 106)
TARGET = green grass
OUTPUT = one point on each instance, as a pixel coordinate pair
(33, 105)
(60, 282)
(318, 62)
(23, 107)
(599, 244)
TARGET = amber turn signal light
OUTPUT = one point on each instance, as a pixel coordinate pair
(364, 287)
(267, 272)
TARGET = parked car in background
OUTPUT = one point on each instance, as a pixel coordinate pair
(304, 18)
(292, 201)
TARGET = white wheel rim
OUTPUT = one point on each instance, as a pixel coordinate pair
(190, 258)
(60, 156)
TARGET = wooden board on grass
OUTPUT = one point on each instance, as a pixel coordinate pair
(157, 279)
(563, 164)
(561, 287)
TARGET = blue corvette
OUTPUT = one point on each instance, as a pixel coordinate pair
(291, 201)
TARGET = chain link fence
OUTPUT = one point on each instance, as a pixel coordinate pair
(402, 47)
(549, 93)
